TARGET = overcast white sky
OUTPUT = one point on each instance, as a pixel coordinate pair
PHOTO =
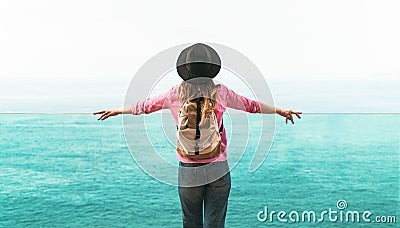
(317, 56)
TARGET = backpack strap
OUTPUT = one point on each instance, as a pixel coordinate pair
(198, 119)
(220, 129)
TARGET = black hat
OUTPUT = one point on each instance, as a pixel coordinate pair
(198, 61)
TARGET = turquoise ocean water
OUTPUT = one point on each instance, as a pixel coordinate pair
(69, 170)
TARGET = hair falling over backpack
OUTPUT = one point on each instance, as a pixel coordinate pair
(190, 91)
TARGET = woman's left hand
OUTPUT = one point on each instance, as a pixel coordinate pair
(288, 114)
(107, 113)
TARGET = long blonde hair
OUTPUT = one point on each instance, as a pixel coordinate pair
(208, 90)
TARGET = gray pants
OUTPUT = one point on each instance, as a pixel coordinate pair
(214, 195)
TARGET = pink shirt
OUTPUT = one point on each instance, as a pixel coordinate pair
(225, 98)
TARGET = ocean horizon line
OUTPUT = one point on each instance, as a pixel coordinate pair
(91, 113)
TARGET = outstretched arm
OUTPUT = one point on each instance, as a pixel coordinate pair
(240, 102)
(141, 107)
(268, 109)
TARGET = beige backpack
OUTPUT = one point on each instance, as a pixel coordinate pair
(194, 141)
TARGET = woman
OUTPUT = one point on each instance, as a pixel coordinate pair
(197, 65)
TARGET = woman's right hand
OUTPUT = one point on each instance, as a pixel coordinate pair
(288, 114)
(107, 113)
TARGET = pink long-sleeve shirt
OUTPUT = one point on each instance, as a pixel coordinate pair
(225, 98)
